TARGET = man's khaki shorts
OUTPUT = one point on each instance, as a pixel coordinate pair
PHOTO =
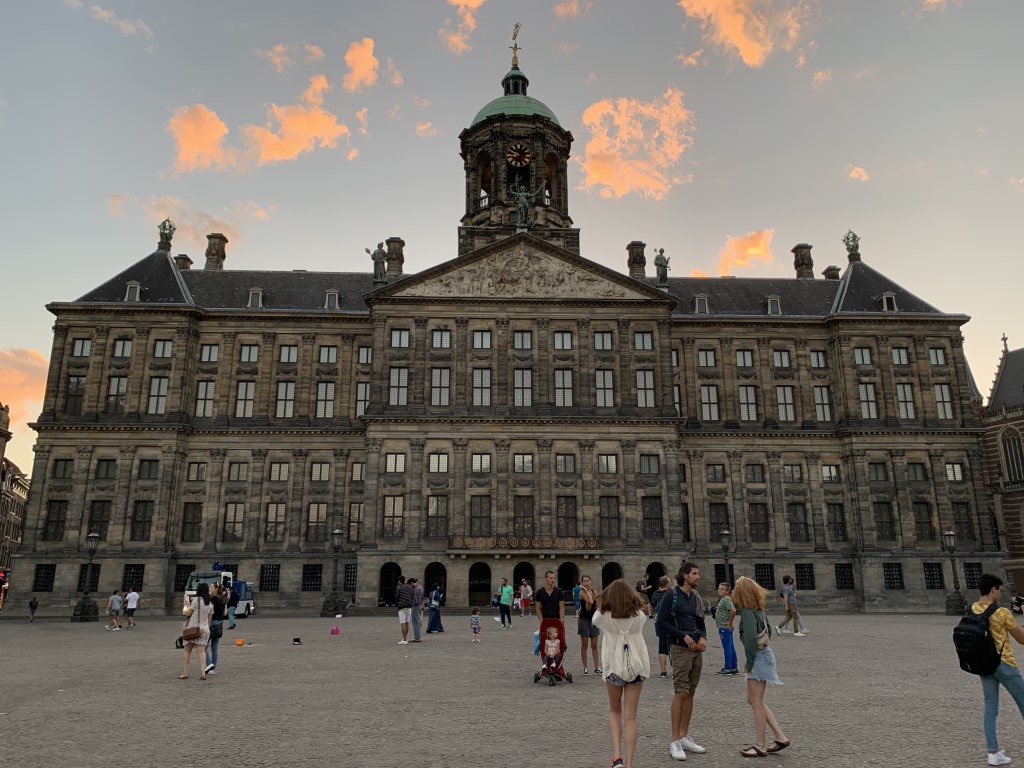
(686, 666)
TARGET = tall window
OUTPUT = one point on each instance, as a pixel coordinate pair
(209, 353)
(437, 463)
(197, 471)
(192, 521)
(709, 402)
(522, 462)
(204, 399)
(75, 395)
(916, 472)
(565, 516)
(605, 388)
(718, 519)
(706, 358)
(285, 399)
(122, 348)
(822, 404)
(522, 516)
(877, 472)
(157, 395)
(759, 522)
(437, 516)
(441, 338)
(885, 525)
(106, 469)
(278, 471)
(780, 358)
(394, 516)
(245, 398)
(565, 463)
(892, 575)
(650, 464)
(563, 339)
(830, 473)
(142, 521)
(63, 469)
(836, 522)
(358, 472)
(900, 356)
(440, 386)
(677, 399)
(744, 358)
(328, 355)
(923, 521)
(716, 473)
(862, 356)
(355, 520)
(603, 340)
(56, 517)
(270, 577)
(320, 471)
(481, 339)
(81, 347)
(818, 359)
(481, 386)
(797, 513)
(316, 522)
(645, 389)
(234, 514)
(325, 399)
(117, 387)
(654, 525)
(905, 400)
(643, 340)
(275, 526)
(785, 397)
(1013, 455)
(289, 353)
(400, 338)
(522, 340)
(480, 516)
(365, 355)
(962, 522)
(563, 387)
(748, 403)
(362, 397)
(955, 472)
(792, 473)
(522, 387)
(480, 463)
(943, 401)
(394, 462)
(238, 471)
(754, 473)
(312, 573)
(607, 464)
(162, 348)
(398, 390)
(937, 356)
(609, 511)
(149, 469)
(248, 353)
(868, 405)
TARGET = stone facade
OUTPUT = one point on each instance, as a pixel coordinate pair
(513, 410)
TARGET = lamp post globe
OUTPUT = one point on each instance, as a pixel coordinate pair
(956, 603)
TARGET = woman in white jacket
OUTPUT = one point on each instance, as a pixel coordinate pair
(621, 613)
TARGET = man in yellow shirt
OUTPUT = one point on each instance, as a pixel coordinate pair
(1002, 626)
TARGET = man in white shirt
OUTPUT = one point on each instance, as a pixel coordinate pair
(131, 602)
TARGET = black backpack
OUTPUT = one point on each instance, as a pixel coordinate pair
(974, 644)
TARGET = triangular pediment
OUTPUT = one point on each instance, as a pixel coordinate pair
(522, 268)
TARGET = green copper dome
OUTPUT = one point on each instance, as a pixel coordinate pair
(515, 101)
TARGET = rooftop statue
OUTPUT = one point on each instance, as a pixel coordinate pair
(661, 264)
(379, 256)
(523, 198)
(851, 241)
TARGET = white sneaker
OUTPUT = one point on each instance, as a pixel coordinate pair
(117, 629)
(585, 671)
(998, 758)
(691, 746)
(403, 642)
(798, 634)
(676, 748)
(778, 630)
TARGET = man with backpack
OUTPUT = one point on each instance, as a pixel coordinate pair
(1001, 626)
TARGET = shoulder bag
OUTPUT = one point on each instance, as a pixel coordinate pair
(763, 633)
(188, 634)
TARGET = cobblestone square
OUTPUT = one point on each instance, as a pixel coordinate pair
(860, 690)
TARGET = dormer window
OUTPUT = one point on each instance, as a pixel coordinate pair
(700, 305)
(774, 305)
(133, 292)
(889, 302)
(255, 298)
(332, 299)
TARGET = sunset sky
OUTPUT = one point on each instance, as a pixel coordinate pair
(724, 131)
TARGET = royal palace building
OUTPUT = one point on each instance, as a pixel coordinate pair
(514, 409)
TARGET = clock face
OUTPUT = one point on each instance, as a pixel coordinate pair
(518, 155)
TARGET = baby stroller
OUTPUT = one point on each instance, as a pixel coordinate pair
(551, 668)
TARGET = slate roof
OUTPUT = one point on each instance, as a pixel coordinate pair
(863, 287)
(306, 291)
(1008, 388)
(156, 273)
(749, 295)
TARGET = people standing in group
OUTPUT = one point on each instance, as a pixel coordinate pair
(624, 658)
(789, 605)
(131, 603)
(232, 606)
(403, 601)
(725, 614)
(525, 596)
(1002, 626)
(219, 603)
(417, 609)
(474, 625)
(433, 610)
(755, 634)
(681, 618)
(664, 586)
(585, 627)
(114, 604)
(33, 606)
(197, 611)
(505, 594)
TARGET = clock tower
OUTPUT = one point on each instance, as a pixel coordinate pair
(516, 156)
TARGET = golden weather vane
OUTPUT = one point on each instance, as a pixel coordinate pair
(515, 46)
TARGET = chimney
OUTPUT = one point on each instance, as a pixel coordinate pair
(396, 256)
(831, 273)
(215, 252)
(637, 262)
(802, 261)
(182, 261)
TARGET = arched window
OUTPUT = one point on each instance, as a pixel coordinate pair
(1013, 456)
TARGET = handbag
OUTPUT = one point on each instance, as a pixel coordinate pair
(216, 631)
(763, 633)
(191, 633)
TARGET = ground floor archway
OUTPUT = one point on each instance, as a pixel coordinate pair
(568, 577)
(389, 573)
(479, 584)
(522, 571)
(609, 573)
(435, 574)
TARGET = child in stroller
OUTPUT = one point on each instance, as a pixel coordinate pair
(552, 649)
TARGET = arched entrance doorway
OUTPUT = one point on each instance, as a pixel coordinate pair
(389, 573)
(654, 572)
(524, 571)
(568, 577)
(610, 573)
(436, 573)
(479, 584)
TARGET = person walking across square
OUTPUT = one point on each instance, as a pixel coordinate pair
(403, 600)
(725, 614)
(505, 595)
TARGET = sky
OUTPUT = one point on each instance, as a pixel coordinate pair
(724, 131)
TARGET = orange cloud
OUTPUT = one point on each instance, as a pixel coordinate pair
(23, 377)
(392, 74)
(935, 5)
(363, 66)
(821, 77)
(857, 173)
(313, 53)
(739, 252)
(690, 59)
(278, 56)
(200, 133)
(115, 204)
(395, 112)
(249, 208)
(426, 129)
(634, 145)
(420, 102)
(567, 47)
(192, 225)
(353, 153)
(698, 273)
(750, 28)
(1015, 180)
(456, 38)
(570, 9)
(362, 116)
(126, 28)
(300, 127)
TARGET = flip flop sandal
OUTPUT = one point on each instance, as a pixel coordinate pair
(753, 751)
(778, 746)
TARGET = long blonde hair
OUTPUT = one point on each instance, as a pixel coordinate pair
(621, 600)
(747, 593)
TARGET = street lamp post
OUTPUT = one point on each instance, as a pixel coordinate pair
(956, 603)
(725, 537)
(85, 609)
(332, 605)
